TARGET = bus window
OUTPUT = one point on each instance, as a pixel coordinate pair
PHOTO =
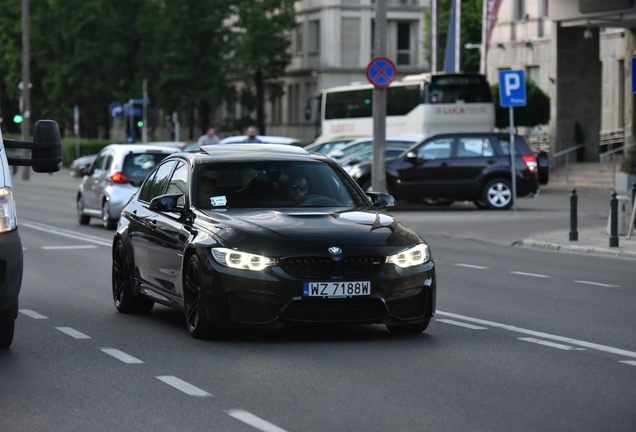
(402, 99)
(349, 104)
(454, 89)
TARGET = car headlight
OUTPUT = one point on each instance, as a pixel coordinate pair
(241, 260)
(7, 210)
(411, 257)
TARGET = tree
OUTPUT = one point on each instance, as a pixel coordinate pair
(191, 53)
(471, 17)
(536, 112)
(261, 49)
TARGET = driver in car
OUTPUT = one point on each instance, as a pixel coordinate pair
(296, 189)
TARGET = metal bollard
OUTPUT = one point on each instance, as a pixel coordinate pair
(613, 241)
(574, 234)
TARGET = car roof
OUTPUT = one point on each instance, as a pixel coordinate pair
(255, 151)
(267, 139)
(140, 148)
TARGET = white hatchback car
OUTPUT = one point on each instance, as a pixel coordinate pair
(113, 177)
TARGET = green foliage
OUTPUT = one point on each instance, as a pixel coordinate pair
(91, 53)
(261, 47)
(87, 147)
(536, 112)
(470, 22)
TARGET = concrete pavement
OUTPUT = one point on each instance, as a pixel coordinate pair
(549, 211)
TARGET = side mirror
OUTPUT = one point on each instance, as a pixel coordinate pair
(411, 157)
(381, 200)
(166, 203)
(47, 157)
(46, 154)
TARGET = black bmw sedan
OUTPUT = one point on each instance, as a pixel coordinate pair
(266, 236)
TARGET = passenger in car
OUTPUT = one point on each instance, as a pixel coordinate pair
(206, 190)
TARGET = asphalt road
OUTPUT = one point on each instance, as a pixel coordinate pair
(523, 340)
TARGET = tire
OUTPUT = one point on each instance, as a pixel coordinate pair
(480, 204)
(543, 166)
(409, 329)
(7, 325)
(82, 219)
(194, 301)
(126, 301)
(497, 194)
(108, 222)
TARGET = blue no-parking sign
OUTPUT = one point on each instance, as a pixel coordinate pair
(512, 88)
(381, 72)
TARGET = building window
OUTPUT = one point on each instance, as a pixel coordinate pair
(520, 10)
(532, 73)
(403, 43)
(299, 39)
(314, 36)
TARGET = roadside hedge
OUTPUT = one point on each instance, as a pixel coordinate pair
(87, 147)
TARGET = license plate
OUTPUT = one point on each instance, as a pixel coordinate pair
(336, 289)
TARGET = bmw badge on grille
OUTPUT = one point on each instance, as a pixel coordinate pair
(335, 250)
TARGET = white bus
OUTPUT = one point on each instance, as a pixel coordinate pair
(423, 104)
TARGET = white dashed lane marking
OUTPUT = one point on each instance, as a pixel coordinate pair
(597, 284)
(33, 314)
(120, 355)
(629, 362)
(551, 344)
(471, 266)
(530, 274)
(542, 335)
(461, 324)
(183, 386)
(254, 421)
(73, 333)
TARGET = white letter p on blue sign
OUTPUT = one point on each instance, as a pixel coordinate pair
(512, 88)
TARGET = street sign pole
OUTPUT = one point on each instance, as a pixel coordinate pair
(144, 128)
(76, 130)
(513, 171)
(512, 93)
(378, 169)
(131, 130)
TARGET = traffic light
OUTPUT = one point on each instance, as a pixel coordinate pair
(17, 119)
(140, 123)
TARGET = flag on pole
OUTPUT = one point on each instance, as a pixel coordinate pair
(493, 10)
(451, 42)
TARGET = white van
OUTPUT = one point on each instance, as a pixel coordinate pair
(46, 156)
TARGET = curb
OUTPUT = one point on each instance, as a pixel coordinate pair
(576, 249)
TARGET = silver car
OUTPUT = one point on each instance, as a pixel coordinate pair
(113, 177)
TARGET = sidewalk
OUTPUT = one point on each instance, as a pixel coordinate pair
(592, 241)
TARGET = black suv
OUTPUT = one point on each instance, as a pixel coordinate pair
(458, 167)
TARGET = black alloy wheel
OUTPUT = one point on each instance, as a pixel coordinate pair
(409, 329)
(498, 194)
(194, 301)
(7, 325)
(82, 219)
(123, 293)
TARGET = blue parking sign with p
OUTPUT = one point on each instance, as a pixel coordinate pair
(512, 88)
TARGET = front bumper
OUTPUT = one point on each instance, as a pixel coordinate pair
(11, 265)
(273, 298)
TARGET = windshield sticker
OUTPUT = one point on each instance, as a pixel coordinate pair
(218, 201)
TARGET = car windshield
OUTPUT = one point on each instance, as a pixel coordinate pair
(274, 184)
(137, 166)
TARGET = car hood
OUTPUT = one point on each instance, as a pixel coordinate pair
(308, 230)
